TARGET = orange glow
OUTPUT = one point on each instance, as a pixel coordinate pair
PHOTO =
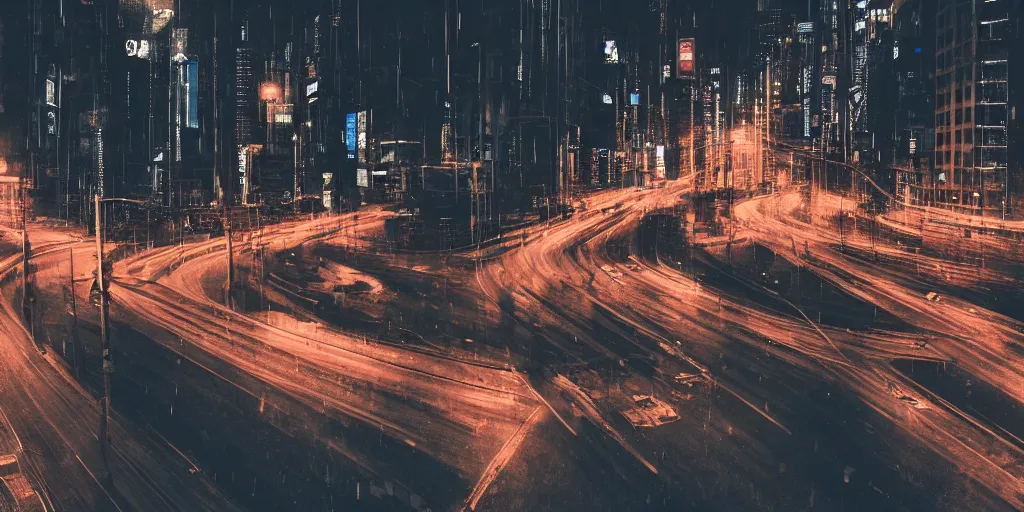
(270, 92)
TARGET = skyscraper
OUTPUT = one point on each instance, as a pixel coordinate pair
(977, 138)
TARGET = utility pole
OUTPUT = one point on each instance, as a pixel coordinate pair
(74, 312)
(26, 294)
(295, 174)
(108, 364)
(842, 237)
(231, 264)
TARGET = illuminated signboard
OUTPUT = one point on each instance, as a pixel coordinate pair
(379, 173)
(328, 199)
(192, 92)
(607, 99)
(51, 95)
(362, 178)
(243, 164)
(807, 116)
(686, 55)
(271, 92)
(350, 134)
(805, 27)
(283, 118)
(179, 41)
(666, 72)
(161, 17)
(137, 48)
(311, 90)
(634, 98)
(361, 136)
(611, 52)
(659, 161)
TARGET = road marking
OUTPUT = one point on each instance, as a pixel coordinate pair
(545, 402)
(502, 458)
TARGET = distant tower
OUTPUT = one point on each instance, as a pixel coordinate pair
(978, 99)
(245, 94)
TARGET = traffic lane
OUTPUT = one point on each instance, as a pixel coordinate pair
(989, 345)
(58, 422)
(60, 418)
(993, 460)
(563, 273)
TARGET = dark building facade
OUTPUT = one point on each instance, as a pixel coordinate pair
(977, 136)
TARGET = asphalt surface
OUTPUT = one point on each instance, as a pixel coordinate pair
(804, 362)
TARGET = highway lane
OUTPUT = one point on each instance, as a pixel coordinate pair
(762, 368)
(456, 414)
(664, 305)
(984, 343)
(57, 419)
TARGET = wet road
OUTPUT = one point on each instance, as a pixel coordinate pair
(773, 407)
(56, 420)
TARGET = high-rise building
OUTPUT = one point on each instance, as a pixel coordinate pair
(858, 93)
(245, 87)
(977, 127)
(808, 79)
(913, 108)
(914, 54)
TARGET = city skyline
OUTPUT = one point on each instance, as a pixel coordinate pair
(511, 255)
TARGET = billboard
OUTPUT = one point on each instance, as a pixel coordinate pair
(328, 193)
(243, 164)
(51, 122)
(137, 48)
(163, 12)
(634, 98)
(684, 68)
(611, 52)
(659, 161)
(192, 93)
(179, 44)
(51, 93)
(361, 136)
(362, 178)
(350, 134)
(311, 89)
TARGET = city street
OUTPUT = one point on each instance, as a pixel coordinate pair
(509, 255)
